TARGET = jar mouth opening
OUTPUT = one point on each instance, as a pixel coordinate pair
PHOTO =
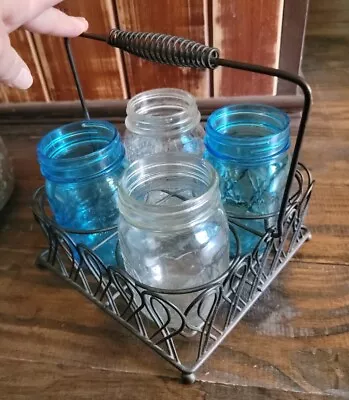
(248, 134)
(164, 111)
(77, 142)
(154, 170)
(248, 124)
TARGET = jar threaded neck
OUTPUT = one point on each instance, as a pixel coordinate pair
(166, 112)
(168, 191)
(80, 151)
(248, 134)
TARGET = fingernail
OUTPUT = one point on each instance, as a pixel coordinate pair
(23, 80)
(83, 21)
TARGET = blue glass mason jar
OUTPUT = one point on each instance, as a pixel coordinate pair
(248, 146)
(82, 163)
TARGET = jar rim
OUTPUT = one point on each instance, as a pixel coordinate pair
(180, 214)
(56, 166)
(249, 149)
(168, 124)
(248, 108)
(55, 136)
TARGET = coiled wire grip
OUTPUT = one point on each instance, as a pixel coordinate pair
(165, 49)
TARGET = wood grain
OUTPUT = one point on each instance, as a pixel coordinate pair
(22, 41)
(248, 31)
(45, 381)
(115, 110)
(329, 18)
(245, 30)
(183, 18)
(294, 344)
(99, 65)
(288, 331)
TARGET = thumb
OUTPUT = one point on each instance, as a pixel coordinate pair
(13, 70)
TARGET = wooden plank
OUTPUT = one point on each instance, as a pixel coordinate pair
(248, 31)
(328, 18)
(292, 41)
(99, 65)
(60, 112)
(183, 18)
(326, 69)
(22, 41)
(292, 341)
(328, 219)
(24, 379)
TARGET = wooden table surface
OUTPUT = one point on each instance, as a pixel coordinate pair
(293, 345)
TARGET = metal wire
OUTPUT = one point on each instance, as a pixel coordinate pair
(94, 36)
(151, 313)
(76, 76)
(165, 49)
(300, 82)
(174, 50)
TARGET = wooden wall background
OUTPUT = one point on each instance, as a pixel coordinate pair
(248, 30)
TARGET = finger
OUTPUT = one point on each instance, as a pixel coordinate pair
(15, 13)
(56, 22)
(13, 70)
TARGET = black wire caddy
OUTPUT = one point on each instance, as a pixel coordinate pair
(148, 313)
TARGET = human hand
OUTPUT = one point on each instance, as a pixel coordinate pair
(36, 16)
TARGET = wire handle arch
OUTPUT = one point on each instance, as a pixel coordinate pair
(178, 51)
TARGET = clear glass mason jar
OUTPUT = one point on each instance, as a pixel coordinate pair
(173, 231)
(6, 175)
(248, 146)
(160, 121)
(82, 163)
